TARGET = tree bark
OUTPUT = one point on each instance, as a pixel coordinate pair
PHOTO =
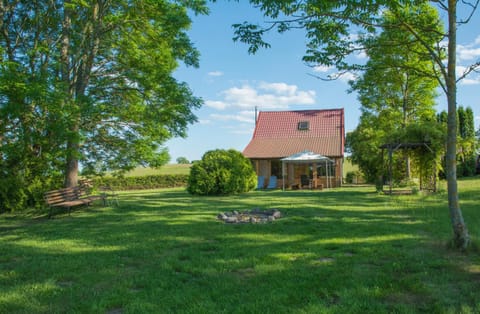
(461, 237)
(71, 175)
(71, 167)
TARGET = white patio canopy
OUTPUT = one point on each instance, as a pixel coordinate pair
(307, 157)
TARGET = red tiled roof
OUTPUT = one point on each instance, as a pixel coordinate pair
(276, 134)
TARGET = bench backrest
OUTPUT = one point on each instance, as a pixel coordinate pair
(62, 195)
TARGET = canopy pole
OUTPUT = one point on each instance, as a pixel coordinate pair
(330, 175)
(326, 173)
(283, 175)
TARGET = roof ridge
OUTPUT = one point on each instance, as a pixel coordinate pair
(302, 110)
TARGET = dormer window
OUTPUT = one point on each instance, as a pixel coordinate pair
(303, 125)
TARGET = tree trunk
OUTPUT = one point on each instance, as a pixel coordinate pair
(408, 167)
(71, 169)
(461, 237)
(71, 173)
(80, 76)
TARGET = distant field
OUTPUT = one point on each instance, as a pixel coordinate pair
(167, 169)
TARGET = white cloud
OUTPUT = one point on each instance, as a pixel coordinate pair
(238, 103)
(279, 88)
(468, 55)
(470, 81)
(203, 121)
(330, 73)
(347, 77)
(265, 95)
(239, 117)
(469, 52)
(220, 105)
(361, 54)
(215, 73)
(323, 69)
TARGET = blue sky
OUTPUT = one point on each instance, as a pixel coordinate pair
(232, 82)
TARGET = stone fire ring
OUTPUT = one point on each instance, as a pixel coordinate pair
(250, 216)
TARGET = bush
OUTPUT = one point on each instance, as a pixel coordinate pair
(20, 190)
(221, 172)
(12, 194)
(353, 177)
(467, 168)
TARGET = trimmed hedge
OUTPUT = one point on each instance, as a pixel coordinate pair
(143, 182)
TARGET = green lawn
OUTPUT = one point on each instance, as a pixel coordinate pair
(346, 250)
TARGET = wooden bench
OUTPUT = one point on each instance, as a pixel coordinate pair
(69, 197)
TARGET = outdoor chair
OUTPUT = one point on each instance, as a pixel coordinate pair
(261, 182)
(305, 181)
(272, 183)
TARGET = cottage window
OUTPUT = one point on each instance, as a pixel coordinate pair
(303, 125)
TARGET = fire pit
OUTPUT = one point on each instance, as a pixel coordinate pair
(250, 216)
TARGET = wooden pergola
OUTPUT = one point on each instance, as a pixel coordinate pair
(392, 147)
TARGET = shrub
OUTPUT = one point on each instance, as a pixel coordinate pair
(221, 172)
(467, 168)
(22, 190)
(353, 177)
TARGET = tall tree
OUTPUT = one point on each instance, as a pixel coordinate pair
(91, 82)
(398, 86)
(329, 25)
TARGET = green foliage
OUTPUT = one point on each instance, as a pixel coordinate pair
(182, 161)
(364, 143)
(142, 182)
(420, 132)
(467, 142)
(222, 172)
(467, 167)
(466, 124)
(398, 83)
(353, 176)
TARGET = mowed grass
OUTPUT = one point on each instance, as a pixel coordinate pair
(347, 250)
